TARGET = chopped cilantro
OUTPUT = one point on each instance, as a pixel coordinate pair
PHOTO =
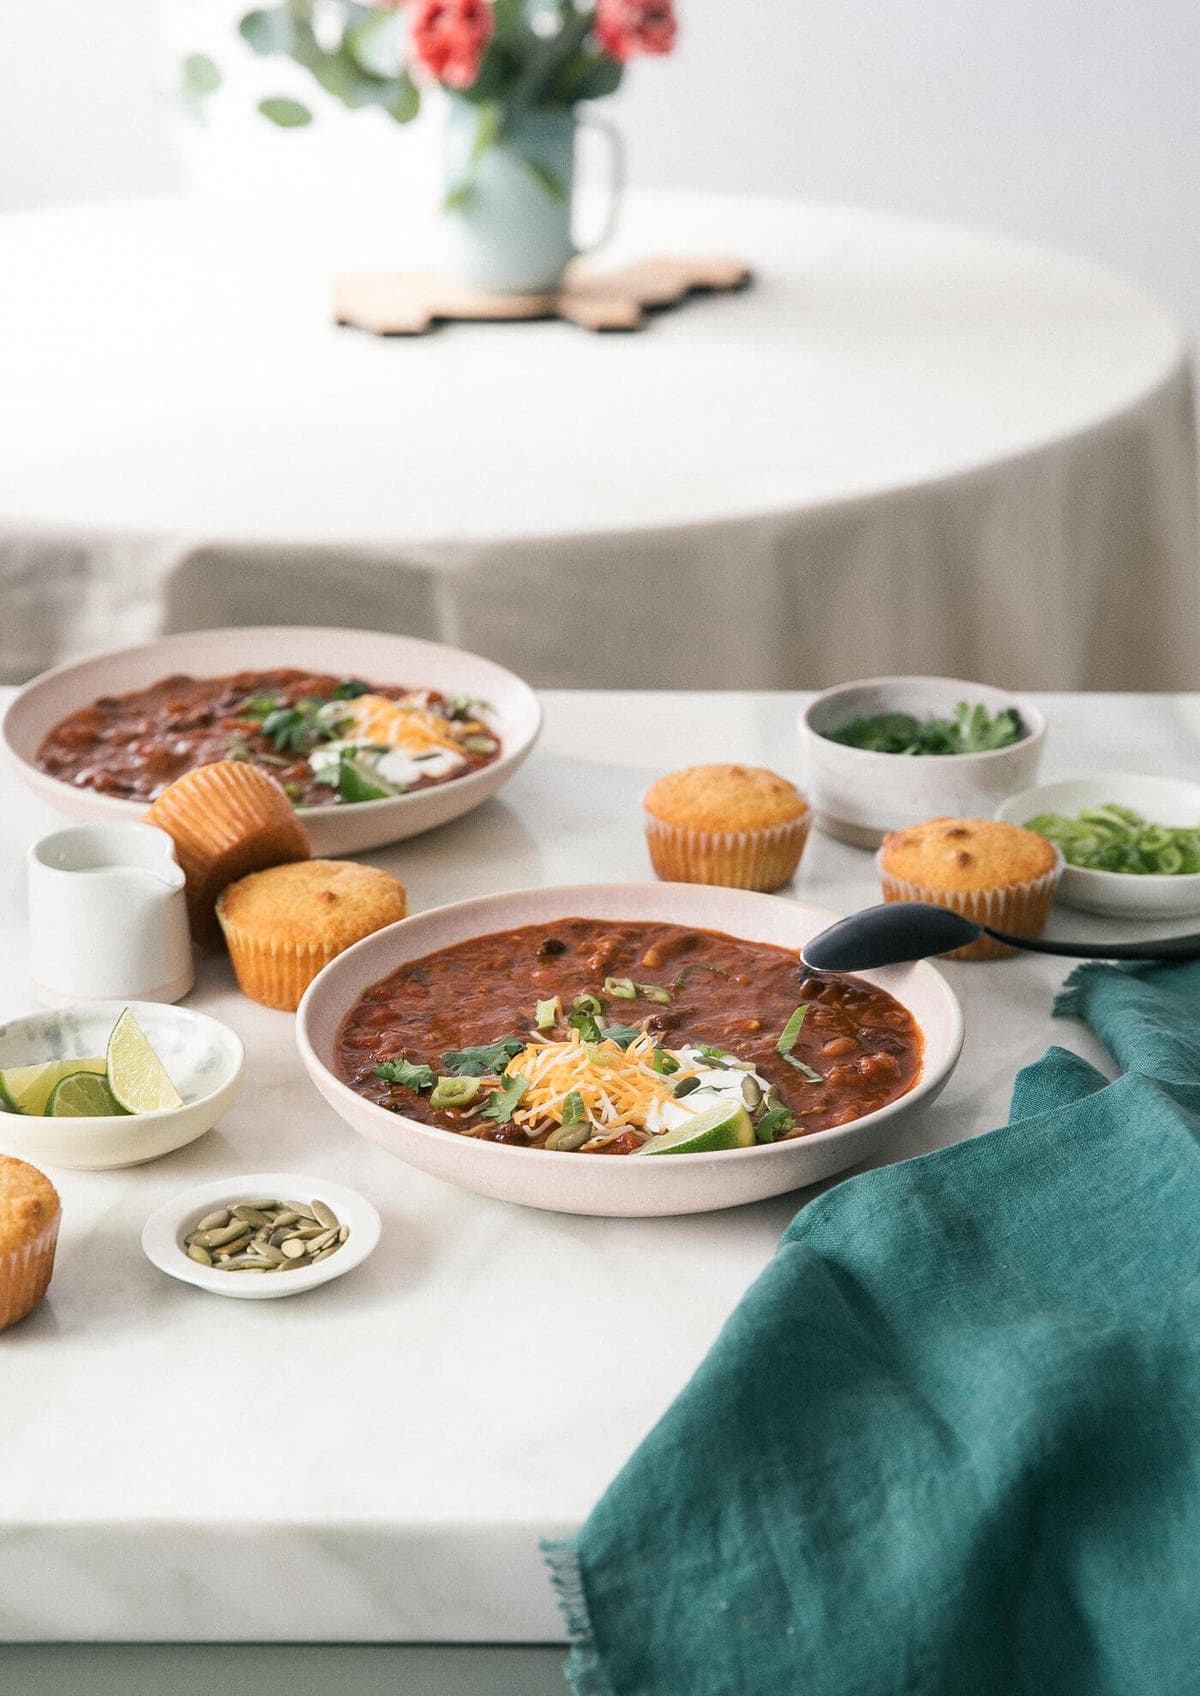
(584, 1021)
(972, 730)
(622, 1035)
(504, 1101)
(488, 1058)
(573, 1112)
(408, 1076)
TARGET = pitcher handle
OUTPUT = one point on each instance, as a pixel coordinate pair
(616, 181)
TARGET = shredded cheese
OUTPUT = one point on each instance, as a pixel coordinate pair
(384, 723)
(618, 1087)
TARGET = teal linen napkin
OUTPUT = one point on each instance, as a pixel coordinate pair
(950, 1440)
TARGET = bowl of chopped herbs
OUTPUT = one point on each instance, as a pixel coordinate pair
(886, 752)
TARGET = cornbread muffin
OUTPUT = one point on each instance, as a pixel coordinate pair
(29, 1216)
(225, 820)
(994, 873)
(735, 825)
(284, 924)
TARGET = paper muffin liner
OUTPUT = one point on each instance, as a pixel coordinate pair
(1019, 908)
(25, 1273)
(226, 820)
(272, 972)
(740, 859)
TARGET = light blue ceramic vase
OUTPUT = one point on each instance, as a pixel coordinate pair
(508, 226)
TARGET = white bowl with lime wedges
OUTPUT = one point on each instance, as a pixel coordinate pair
(113, 1084)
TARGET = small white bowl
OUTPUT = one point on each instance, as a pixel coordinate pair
(858, 795)
(375, 654)
(164, 1231)
(624, 1187)
(203, 1056)
(1161, 800)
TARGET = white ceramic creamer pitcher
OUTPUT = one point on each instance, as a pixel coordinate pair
(107, 916)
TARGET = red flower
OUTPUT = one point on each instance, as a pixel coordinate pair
(450, 38)
(626, 27)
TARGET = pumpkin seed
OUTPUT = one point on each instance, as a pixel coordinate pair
(266, 1236)
(222, 1235)
(567, 1138)
(751, 1092)
(251, 1215)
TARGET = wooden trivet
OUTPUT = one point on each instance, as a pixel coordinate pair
(408, 303)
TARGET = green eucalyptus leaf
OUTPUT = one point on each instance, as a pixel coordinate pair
(405, 103)
(200, 75)
(268, 31)
(376, 45)
(287, 114)
(487, 131)
(510, 16)
(547, 180)
(592, 77)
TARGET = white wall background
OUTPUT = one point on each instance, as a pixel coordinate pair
(1076, 122)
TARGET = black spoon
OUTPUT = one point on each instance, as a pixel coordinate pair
(898, 931)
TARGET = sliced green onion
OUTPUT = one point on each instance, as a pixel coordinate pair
(622, 989)
(652, 992)
(548, 1014)
(787, 1041)
(791, 1030)
(773, 1122)
(454, 1092)
(479, 745)
(1116, 839)
(588, 1004)
(664, 1064)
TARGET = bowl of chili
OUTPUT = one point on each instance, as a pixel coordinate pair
(535, 1046)
(99, 739)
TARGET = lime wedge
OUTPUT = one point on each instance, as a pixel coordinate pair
(26, 1089)
(136, 1075)
(82, 1095)
(356, 783)
(727, 1125)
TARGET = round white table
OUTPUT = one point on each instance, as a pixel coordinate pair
(907, 447)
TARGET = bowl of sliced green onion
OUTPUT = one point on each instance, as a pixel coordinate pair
(1131, 844)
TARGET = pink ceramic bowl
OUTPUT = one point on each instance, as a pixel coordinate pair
(626, 1186)
(373, 654)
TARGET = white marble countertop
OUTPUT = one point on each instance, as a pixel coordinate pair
(376, 1460)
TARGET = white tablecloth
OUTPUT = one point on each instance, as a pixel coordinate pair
(907, 447)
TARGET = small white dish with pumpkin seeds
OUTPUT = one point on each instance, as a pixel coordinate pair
(289, 1233)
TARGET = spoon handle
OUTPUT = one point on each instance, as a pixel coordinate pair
(1168, 948)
